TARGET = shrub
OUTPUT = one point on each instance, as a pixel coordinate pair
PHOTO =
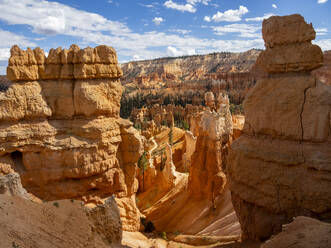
(148, 225)
(163, 235)
(170, 136)
(56, 204)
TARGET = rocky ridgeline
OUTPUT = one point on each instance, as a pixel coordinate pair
(188, 67)
(75, 63)
(60, 128)
(280, 167)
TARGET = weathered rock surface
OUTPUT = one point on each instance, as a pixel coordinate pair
(10, 184)
(60, 127)
(207, 178)
(198, 204)
(288, 43)
(280, 167)
(107, 221)
(303, 232)
(60, 224)
(75, 63)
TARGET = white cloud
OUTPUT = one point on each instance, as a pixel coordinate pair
(4, 53)
(158, 20)
(322, 1)
(181, 7)
(325, 44)
(207, 19)
(231, 15)
(274, 6)
(93, 29)
(260, 18)
(180, 31)
(174, 52)
(8, 39)
(244, 30)
(321, 31)
(55, 18)
(194, 2)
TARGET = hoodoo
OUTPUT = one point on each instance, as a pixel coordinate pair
(60, 128)
(280, 167)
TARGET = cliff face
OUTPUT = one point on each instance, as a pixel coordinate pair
(187, 68)
(60, 127)
(280, 167)
(62, 134)
(192, 75)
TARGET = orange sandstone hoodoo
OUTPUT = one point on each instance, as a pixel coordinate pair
(60, 127)
(281, 166)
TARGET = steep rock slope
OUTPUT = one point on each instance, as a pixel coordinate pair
(280, 167)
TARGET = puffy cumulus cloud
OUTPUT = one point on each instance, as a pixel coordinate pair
(322, 1)
(56, 18)
(325, 44)
(259, 18)
(244, 30)
(207, 19)
(174, 52)
(8, 39)
(190, 5)
(181, 7)
(4, 53)
(93, 29)
(274, 6)
(158, 20)
(193, 2)
(231, 15)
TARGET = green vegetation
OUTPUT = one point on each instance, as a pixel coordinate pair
(171, 136)
(163, 235)
(56, 204)
(137, 126)
(143, 165)
(236, 109)
(148, 225)
(180, 122)
(139, 100)
(143, 161)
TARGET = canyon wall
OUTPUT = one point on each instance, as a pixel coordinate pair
(186, 68)
(280, 167)
(60, 127)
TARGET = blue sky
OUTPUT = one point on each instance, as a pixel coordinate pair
(146, 29)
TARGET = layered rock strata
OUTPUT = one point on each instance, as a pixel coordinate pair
(60, 127)
(280, 167)
(207, 178)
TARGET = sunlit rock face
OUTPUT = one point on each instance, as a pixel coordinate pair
(280, 167)
(214, 136)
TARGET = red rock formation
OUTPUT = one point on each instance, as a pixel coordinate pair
(207, 179)
(60, 127)
(280, 166)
